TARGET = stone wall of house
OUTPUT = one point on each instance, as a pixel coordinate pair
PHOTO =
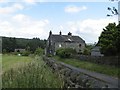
(73, 78)
(73, 45)
(111, 60)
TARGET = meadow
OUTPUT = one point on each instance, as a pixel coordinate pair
(13, 61)
(27, 72)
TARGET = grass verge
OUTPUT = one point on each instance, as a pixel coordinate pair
(112, 71)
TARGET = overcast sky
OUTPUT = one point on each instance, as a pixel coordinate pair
(35, 18)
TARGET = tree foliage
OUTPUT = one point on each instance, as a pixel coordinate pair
(109, 40)
(9, 44)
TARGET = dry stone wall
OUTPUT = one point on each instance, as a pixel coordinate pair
(73, 78)
(111, 60)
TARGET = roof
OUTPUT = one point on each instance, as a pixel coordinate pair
(66, 38)
(96, 48)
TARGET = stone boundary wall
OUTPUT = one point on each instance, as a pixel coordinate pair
(74, 78)
(111, 60)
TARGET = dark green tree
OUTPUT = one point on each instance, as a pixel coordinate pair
(9, 44)
(117, 41)
(108, 40)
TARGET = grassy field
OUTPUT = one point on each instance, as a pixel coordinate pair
(112, 71)
(13, 61)
(30, 73)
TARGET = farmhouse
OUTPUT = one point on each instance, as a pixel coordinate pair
(56, 41)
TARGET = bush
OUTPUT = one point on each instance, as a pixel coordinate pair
(25, 53)
(65, 52)
(39, 51)
(4, 51)
(49, 55)
(86, 51)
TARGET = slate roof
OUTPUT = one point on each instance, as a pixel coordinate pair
(66, 38)
(96, 48)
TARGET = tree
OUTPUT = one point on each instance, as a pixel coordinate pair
(113, 10)
(109, 38)
(9, 44)
(117, 36)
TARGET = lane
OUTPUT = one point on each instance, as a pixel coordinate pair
(108, 79)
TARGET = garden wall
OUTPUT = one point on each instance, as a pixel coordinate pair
(111, 60)
(73, 77)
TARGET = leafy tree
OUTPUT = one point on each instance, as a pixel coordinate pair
(117, 41)
(108, 39)
(9, 44)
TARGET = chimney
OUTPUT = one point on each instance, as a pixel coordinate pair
(60, 33)
(50, 33)
(69, 34)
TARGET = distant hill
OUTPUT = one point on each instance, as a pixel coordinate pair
(9, 44)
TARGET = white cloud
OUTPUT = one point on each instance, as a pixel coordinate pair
(11, 9)
(89, 29)
(74, 9)
(30, 1)
(2, 1)
(24, 26)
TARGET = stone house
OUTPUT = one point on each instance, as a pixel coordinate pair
(19, 50)
(56, 41)
(96, 51)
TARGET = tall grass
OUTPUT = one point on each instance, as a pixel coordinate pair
(32, 75)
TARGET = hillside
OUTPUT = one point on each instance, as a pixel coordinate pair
(9, 44)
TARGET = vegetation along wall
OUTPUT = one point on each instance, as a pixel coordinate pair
(73, 78)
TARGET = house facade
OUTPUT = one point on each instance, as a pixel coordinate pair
(96, 51)
(56, 41)
(19, 50)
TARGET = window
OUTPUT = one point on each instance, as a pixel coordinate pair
(69, 39)
(80, 45)
(59, 45)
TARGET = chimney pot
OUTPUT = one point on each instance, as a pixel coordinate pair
(50, 33)
(60, 33)
(70, 34)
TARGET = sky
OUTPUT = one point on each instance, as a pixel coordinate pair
(35, 18)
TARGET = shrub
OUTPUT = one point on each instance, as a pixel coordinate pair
(65, 52)
(49, 55)
(39, 51)
(86, 52)
(4, 51)
(25, 53)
